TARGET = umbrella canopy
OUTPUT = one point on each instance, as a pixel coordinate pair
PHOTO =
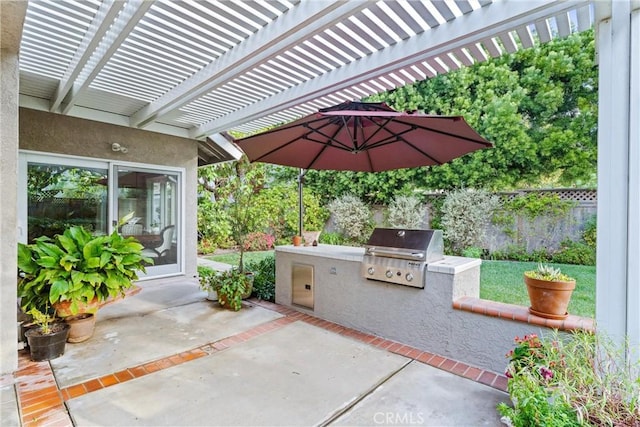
(368, 137)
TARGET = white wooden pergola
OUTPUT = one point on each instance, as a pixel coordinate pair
(199, 69)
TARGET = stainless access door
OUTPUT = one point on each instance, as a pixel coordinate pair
(302, 282)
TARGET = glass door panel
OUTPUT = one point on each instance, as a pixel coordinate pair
(147, 208)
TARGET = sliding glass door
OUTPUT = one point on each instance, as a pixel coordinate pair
(146, 207)
(138, 200)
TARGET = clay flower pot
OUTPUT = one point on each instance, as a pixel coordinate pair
(63, 308)
(297, 240)
(549, 299)
(82, 326)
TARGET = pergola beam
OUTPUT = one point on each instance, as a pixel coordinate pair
(464, 31)
(117, 33)
(108, 11)
(300, 23)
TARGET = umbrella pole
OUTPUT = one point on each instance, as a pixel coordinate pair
(300, 201)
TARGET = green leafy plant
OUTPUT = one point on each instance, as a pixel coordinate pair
(42, 319)
(472, 252)
(581, 379)
(77, 267)
(332, 238)
(231, 286)
(590, 231)
(548, 273)
(264, 278)
(571, 252)
(206, 277)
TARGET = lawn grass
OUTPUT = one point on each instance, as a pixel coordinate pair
(499, 281)
(234, 257)
(503, 281)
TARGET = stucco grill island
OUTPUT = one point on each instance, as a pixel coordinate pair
(327, 282)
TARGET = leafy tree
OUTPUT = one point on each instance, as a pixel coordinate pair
(538, 106)
(246, 192)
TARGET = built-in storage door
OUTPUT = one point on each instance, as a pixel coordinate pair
(147, 207)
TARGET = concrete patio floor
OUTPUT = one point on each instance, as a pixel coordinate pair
(169, 357)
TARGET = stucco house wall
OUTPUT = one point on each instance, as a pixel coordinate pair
(54, 133)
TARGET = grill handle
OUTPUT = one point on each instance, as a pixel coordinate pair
(392, 254)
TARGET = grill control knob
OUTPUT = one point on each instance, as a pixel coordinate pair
(389, 274)
(371, 270)
(409, 277)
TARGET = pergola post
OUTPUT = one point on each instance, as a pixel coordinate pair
(618, 244)
(11, 18)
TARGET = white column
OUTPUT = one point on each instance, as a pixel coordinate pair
(633, 268)
(618, 254)
(11, 18)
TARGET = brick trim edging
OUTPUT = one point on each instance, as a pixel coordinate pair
(520, 313)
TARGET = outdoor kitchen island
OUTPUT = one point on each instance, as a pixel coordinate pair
(326, 281)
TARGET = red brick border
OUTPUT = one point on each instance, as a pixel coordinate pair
(519, 313)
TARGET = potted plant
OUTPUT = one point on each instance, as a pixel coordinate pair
(549, 291)
(232, 286)
(75, 272)
(206, 277)
(47, 339)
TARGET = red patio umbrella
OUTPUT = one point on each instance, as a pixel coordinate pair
(368, 137)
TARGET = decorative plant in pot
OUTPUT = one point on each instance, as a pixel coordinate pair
(232, 286)
(47, 339)
(75, 272)
(549, 291)
(206, 278)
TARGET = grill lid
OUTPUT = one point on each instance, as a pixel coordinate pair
(401, 239)
(421, 245)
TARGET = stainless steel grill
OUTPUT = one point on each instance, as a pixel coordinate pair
(401, 256)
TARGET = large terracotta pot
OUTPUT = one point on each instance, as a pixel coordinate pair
(82, 326)
(549, 299)
(63, 308)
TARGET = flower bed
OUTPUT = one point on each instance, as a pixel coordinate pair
(583, 380)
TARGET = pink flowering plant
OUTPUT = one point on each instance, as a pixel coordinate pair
(579, 379)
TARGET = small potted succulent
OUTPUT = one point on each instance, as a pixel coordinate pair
(549, 291)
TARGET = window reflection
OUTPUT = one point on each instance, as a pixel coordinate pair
(62, 196)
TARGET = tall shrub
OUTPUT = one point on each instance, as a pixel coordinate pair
(352, 217)
(406, 212)
(465, 215)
